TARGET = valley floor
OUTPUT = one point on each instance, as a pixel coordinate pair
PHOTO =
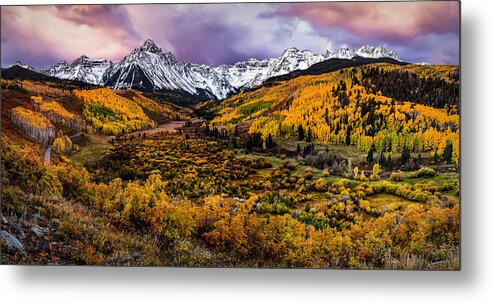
(95, 176)
(229, 207)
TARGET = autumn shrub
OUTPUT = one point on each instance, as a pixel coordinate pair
(316, 221)
(375, 172)
(62, 143)
(423, 172)
(362, 176)
(261, 163)
(290, 165)
(321, 185)
(76, 183)
(309, 173)
(22, 169)
(49, 185)
(396, 176)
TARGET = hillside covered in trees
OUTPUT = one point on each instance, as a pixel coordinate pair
(386, 108)
(354, 168)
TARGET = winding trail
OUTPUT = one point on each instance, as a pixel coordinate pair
(169, 126)
(47, 153)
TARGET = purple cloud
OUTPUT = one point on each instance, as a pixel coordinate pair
(390, 21)
(225, 33)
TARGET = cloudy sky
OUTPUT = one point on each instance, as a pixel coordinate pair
(226, 33)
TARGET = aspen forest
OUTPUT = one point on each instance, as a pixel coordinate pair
(356, 168)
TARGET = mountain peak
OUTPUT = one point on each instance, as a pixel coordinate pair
(20, 64)
(291, 50)
(376, 52)
(80, 60)
(150, 46)
(343, 53)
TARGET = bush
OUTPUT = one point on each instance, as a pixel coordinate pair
(321, 185)
(261, 163)
(290, 165)
(424, 172)
(309, 173)
(362, 176)
(375, 172)
(397, 176)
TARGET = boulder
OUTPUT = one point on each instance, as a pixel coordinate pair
(39, 231)
(12, 243)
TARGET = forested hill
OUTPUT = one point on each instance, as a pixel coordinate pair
(387, 106)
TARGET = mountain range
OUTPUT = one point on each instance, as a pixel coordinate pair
(149, 68)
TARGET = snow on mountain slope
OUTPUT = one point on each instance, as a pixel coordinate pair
(343, 53)
(150, 68)
(254, 72)
(20, 64)
(83, 69)
(367, 51)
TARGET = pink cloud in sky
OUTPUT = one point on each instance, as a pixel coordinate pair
(66, 32)
(226, 33)
(393, 21)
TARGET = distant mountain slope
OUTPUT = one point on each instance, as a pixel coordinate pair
(334, 64)
(82, 69)
(17, 72)
(149, 68)
(20, 64)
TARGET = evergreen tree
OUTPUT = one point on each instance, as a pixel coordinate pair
(309, 137)
(234, 142)
(370, 154)
(347, 136)
(405, 155)
(436, 157)
(269, 144)
(389, 162)
(249, 144)
(300, 133)
(382, 160)
(447, 155)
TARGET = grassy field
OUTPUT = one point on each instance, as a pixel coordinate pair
(93, 148)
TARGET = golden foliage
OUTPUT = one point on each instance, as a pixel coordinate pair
(62, 143)
(33, 124)
(164, 110)
(335, 110)
(111, 113)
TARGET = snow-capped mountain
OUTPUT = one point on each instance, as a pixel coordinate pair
(377, 52)
(366, 51)
(254, 72)
(20, 64)
(151, 68)
(148, 67)
(82, 69)
(343, 53)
